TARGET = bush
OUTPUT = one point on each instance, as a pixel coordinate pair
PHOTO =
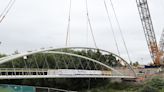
(156, 82)
(148, 88)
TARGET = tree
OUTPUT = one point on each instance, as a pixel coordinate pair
(60, 61)
(136, 64)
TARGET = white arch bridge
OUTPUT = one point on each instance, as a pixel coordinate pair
(68, 62)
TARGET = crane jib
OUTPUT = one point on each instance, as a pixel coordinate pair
(147, 24)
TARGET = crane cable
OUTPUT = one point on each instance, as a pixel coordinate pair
(6, 10)
(111, 26)
(68, 26)
(90, 26)
(87, 30)
(120, 30)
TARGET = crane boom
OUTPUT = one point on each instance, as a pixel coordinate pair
(161, 43)
(147, 24)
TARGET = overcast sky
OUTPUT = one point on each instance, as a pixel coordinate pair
(33, 24)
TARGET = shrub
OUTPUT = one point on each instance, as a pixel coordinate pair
(148, 88)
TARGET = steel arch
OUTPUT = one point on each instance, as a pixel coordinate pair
(9, 58)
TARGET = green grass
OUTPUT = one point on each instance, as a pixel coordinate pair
(154, 85)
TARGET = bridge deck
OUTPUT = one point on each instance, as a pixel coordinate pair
(21, 73)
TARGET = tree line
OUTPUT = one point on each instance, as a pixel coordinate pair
(69, 84)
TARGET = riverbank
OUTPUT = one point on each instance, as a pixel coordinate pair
(156, 84)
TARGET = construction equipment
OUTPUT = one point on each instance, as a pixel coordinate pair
(156, 51)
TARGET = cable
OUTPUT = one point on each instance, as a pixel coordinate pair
(120, 30)
(6, 10)
(87, 29)
(68, 26)
(111, 27)
(90, 26)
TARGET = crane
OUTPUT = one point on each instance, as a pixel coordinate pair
(161, 43)
(156, 51)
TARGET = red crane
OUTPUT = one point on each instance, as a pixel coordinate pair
(156, 51)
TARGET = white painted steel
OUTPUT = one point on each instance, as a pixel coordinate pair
(60, 76)
(52, 50)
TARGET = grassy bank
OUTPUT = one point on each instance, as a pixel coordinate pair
(154, 85)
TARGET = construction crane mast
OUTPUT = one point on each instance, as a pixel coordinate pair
(147, 24)
(161, 43)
